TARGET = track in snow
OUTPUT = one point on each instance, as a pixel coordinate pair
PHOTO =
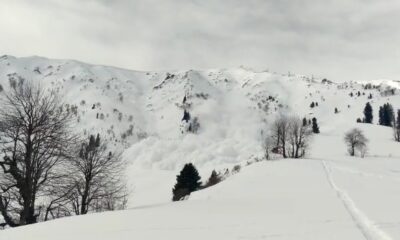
(366, 226)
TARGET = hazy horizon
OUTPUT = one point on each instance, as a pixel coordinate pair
(339, 40)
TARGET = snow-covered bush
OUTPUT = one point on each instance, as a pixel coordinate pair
(214, 179)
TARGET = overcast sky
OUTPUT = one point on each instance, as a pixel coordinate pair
(337, 39)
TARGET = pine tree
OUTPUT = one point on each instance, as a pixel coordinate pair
(312, 105)
(304, 122)
(389, 115)
(97, 142)
(186, 116)
(368, 113)
(92, 143)
(336, 110)
(186, 182)
(381, 117)
(315, 127)
(386, 115)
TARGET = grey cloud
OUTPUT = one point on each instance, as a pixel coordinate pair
(338, 39)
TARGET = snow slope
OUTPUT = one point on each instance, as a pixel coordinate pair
(326, 196)
(287, 199)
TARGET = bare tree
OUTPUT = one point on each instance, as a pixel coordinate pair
(57, 205)
(298, 137)
(290, 136)
(268, 144)
(356, 140)
(34, 140)
(396, 127)
(98, 182)
(279, 131)
(396, 133)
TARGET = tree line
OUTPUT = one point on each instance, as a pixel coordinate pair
(387, 118)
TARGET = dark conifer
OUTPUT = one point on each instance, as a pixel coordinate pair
(386, 115)
(97, 143)
(304, 122)
(381, 117)
(315, 127)
(368, 113)
(398, 119)
(186, 116)
(186, 182)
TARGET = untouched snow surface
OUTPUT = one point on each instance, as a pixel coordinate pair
(328, 195)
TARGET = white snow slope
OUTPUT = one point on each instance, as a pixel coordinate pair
(328, 195)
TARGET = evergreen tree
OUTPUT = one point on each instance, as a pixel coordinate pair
(336, 110)
(92, 143)
(186, 116)
(97, 142)
(381, 121)
(368, 113)
(386, 115)
(315, 127)
(312, 105)
(304, 122)
(186, 182)
(389, 115)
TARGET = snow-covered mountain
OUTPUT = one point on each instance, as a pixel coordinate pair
(141, 113)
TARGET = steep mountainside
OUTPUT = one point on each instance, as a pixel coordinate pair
(145, 108)
(328, 195)
(141, 112)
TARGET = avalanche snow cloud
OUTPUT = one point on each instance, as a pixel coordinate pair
(338, 39)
